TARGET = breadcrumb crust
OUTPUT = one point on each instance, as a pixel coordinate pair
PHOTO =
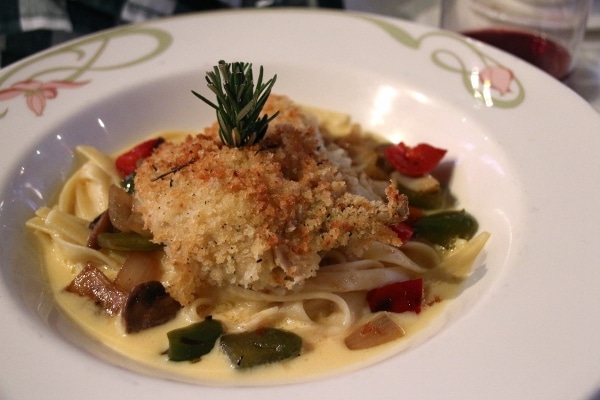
(260, 216)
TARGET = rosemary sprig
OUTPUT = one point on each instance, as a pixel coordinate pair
(239, 104)
(175, 169)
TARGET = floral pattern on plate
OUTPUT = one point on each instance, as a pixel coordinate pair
(482, 75)
(38, 84)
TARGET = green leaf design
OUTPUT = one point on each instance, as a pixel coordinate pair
(441, 57)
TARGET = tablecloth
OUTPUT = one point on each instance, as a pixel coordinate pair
(28, 26)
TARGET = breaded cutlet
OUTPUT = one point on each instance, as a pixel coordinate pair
(259, 217)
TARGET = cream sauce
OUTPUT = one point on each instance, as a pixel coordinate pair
(321, 357)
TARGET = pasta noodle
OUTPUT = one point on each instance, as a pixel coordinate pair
(328, 303)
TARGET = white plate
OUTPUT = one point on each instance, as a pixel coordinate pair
(527, 324)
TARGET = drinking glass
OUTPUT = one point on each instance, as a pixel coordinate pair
(545, 33)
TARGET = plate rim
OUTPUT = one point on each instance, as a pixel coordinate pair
(334, 14)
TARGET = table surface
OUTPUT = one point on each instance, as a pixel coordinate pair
(585, 78)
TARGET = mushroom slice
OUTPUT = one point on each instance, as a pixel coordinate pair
(99, 225)
(92, 283)
(148, 305)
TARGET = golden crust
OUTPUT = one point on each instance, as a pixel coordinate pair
(259, 216)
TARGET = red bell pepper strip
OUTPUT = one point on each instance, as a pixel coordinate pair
(403, 230)
(127, 162)
(397, 297)
(414, 161)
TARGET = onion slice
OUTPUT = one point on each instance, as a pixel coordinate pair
(379, 330)
(119, 208)
(139, 267)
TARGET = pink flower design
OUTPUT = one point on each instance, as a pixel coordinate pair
(498, 78)
(36, 92)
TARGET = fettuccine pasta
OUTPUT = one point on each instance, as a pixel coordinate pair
(313, 274)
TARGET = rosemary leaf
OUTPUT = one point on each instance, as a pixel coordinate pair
(239, 102)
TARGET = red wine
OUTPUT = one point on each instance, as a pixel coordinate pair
(539, 51)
